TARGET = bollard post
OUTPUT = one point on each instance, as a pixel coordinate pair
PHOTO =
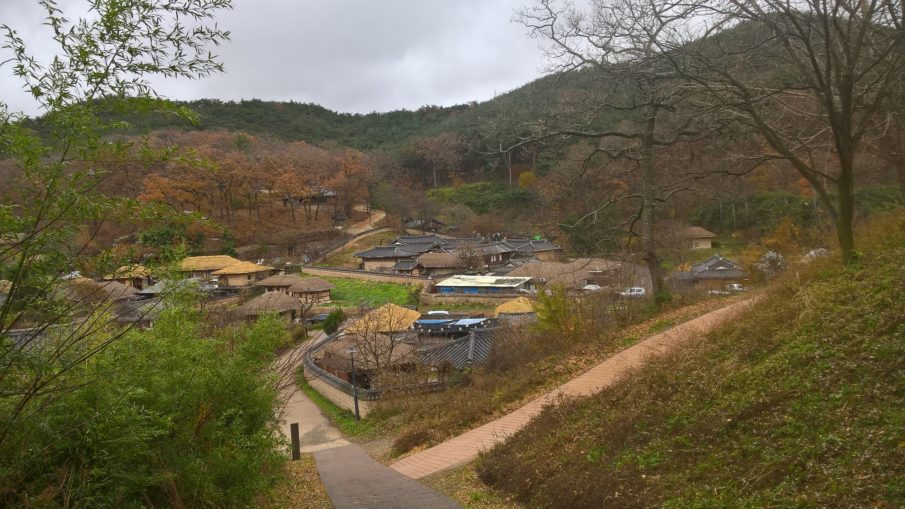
(294, 433)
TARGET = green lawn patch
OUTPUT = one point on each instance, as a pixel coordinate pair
(342, 418)
(353, 292)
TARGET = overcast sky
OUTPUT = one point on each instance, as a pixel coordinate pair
(350, 56)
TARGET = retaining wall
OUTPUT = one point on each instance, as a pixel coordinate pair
(366, 276)
(439, 299)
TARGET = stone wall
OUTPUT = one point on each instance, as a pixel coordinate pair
(365, 276)
(439, 299)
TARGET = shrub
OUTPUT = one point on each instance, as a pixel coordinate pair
(334, 319)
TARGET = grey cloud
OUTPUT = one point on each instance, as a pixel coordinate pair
(352, 56)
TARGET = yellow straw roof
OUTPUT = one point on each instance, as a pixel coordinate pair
(517, 306)
(386, 318)
(215, 262)
(241, 268)
(129, 271)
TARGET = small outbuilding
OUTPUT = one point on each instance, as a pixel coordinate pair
(695, 237)
(271, 302)
(241, 274)
(312, 290)
(134, 276)
(203, 267)
(516, 310)
(279, 283)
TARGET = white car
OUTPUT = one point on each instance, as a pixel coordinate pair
(735, 287)
(438, 313)
(592, 288)
(635, 292)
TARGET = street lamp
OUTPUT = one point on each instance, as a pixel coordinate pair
(351, 351)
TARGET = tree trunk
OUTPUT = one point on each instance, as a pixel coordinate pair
(846, 213)
(900, 172)
(648, 203)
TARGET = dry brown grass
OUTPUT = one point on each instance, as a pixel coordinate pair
(464, 486)
(301, 488)
(534, 363)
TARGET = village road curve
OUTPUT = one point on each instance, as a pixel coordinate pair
(464, 448)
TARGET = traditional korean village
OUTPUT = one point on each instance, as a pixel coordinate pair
(520, 254)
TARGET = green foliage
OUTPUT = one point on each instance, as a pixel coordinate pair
(763, 211)
(796, 404)
(354, 292)
(334, 320)
(484, 197)
(342, 418)
(168, 417)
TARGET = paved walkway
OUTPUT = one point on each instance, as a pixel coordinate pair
(354, 480)
(465, 447)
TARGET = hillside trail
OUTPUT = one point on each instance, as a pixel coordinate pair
(368, 224)
(353, 479)
(464, 448)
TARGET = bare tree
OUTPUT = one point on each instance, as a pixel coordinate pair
(383, 339)
(812, 78)
(614, 44)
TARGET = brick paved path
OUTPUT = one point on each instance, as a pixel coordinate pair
(465, 447)
(354, 480)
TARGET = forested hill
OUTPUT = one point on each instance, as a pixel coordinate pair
(312, 123)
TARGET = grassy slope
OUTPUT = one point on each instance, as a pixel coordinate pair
(799, 404)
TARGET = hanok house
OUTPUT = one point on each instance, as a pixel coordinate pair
(278, 283)
(541, 249)
(203, 267)
(439, 264)
(714, 272)
(384, 258)
(425, 225)
(484, 285)
(134, 276)
(242, 274)
(383, 339)
(271, 302)
(312, 290)
(516, 310)
(695, 237)
(574, 275)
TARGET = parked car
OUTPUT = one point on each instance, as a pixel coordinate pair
(635, 292)
(592, 288)
(438, 313)
(317, 318)
(735, 287)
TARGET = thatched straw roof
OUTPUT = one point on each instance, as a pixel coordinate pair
(129, 272)
(570, 274)
(270, 302)
(440, 261)
(215, 262)
(517, 306)
(386, 318)
(696, 232)
(280, 281)
(311, 284)
(240, 268)
(80, 289)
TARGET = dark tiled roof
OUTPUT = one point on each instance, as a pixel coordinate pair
(388, 252)
(531, 246)
(470, 350)
(418, 239)
(405, 265)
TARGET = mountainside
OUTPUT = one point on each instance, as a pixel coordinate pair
(801, 403)
(312, 123)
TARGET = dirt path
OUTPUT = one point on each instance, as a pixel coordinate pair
(368, 224)
(464, 448)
